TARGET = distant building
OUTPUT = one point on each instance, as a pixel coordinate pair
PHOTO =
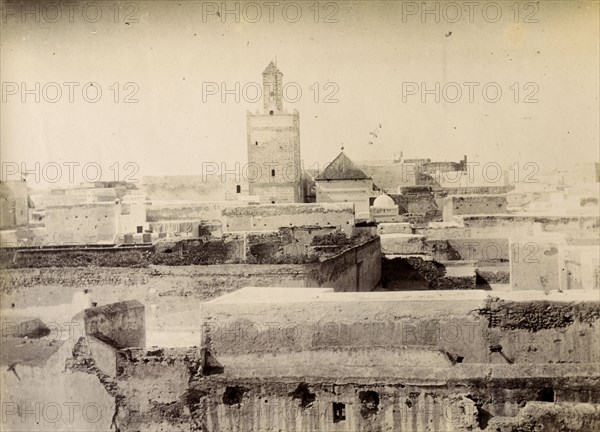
(274, 167)
(343, 181)
(14, 204)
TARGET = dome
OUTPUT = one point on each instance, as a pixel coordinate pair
(384, 200)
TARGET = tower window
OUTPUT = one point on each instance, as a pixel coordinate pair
(238, 189)
(339, 412)
(271, 112)
(272, 173)
(256, 143)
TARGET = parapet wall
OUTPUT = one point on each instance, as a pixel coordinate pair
(56, 256)
(466, 326)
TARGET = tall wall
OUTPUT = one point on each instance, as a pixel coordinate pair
(274, 168)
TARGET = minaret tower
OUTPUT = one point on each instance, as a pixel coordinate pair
(274, 166)
(272, 90)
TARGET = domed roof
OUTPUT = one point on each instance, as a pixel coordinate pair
(383, 200)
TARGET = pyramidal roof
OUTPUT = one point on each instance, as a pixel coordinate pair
(342, 168)
(271, 68)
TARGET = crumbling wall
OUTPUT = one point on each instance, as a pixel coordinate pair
(41, 393)
(543, 331)
(120, 325)
(156, 384)
(97, 255)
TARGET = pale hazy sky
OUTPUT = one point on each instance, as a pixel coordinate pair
(369, 54)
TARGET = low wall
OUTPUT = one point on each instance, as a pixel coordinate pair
(469, 327)
(96, 255)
